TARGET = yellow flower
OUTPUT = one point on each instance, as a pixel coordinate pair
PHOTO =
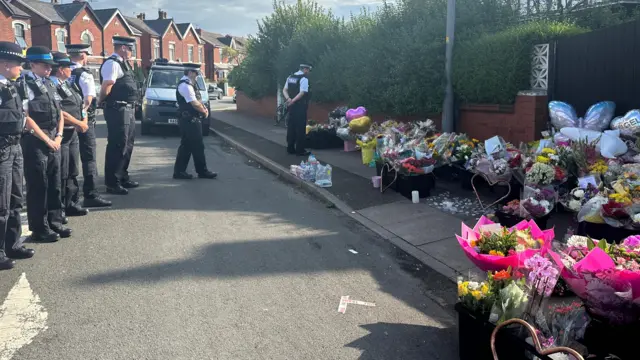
(620, 198)
(463, 288)
(475, 140)
(599, 167)
(476, 295)
(542, 159)
(473, 243)
(548, 151)
(484, 289)
(497, 253)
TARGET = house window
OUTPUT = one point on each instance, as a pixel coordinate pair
(60, 35)
(172, 51)
(18, 31)
(220, 51)
(134, 51)
(156, 49)
(200, 55)
(190, 53)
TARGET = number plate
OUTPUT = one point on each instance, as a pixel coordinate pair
(172, 121)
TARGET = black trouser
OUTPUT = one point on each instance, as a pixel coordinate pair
(42, 172)
(297, 128)
(191, 144)
(87, 148)
(121, 125)
(11, 164)
(69, 169)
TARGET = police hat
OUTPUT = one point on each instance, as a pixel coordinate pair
(61, 59)
(40, 54)
(11, 51)
(307, 66)
(124, 40)
(192, 66)
(78, 49)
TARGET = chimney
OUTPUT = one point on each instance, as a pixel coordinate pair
(54, 1)
(140, 16)
(162, 14)
(199, 31)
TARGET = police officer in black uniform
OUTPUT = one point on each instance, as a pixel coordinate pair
(84, 81)
(298, 86)
(42, 153)
(12, 124)
(118, 95)
(71, 104)
(191, 111)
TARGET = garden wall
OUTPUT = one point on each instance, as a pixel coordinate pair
(522, 121)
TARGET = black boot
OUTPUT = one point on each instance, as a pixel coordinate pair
(95, 202)
(182, 176)
(6, 263)
(117, 190)
(76, 210)
(207, 175)
(45, 237)
(21, 253)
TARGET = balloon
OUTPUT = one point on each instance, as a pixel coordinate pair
(609, 142)
(629, 124)
(356, 113)
(360, 125)
(560, 139)
(597, 118)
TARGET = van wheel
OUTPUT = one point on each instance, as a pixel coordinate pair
(146, 129)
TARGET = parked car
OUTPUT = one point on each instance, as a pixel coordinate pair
(159, 104)
(214, 91)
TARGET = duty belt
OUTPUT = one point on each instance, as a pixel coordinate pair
(8, 140)
(119, 104)
(188, 114)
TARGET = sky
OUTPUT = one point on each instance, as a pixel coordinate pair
(234, 17)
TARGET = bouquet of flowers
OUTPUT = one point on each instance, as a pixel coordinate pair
(514, 208)
(492, 247)
(606, 277)
(563, 324)
(475, 295)
(538, 202)
(577, 197)
(413, 166)
(541, 174)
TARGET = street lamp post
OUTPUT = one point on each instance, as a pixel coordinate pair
(447, 109)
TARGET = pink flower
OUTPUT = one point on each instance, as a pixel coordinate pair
(632, 241)
(620, 260)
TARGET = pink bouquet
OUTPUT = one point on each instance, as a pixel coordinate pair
(492, 247)
(605, 276)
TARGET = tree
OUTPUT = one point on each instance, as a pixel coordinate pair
(231, 54)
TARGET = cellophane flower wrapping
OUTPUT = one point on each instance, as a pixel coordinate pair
(606, 277)
(486, 262)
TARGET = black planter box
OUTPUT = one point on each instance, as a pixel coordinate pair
(446, 173)
(406, 184)
(324, 139)
(465, 178)
(603, 339)
(474, 339)
(509, 220)
(604, 231)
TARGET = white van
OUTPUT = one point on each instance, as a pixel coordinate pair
(159, 104)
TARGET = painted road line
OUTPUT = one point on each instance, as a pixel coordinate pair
(22, 318)
(342, 308)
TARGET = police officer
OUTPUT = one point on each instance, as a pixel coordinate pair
(12, 122)
(298, 86)
(42, 153)
(118, 95)
(191, 110)
(71, 104)
(83, 79)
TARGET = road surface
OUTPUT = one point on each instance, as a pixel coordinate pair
(242, 267)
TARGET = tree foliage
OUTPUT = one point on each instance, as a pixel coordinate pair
(392, 60)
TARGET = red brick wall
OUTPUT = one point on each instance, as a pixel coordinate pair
(521, 122)
(6, 27)
(171, 36)
(146, 49)
(209, 70)
(52, 35)
(115, 27)
(190, 40)
(40, 29)
(79, 25)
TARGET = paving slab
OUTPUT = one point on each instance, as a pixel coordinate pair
(449, 250)
(396, 212)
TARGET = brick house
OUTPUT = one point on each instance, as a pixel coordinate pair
(115, 24)
(170, 39)
(192, 45)
(149, 40)
(53, 25)
(218, 67)
(15, 24)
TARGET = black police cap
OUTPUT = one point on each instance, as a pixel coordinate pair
(11, 51)
(192, 66)
(61, 59)
(40, 54)
(78, 48)
(124, 40)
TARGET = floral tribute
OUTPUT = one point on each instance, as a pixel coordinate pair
(605, 276)
(492, 247)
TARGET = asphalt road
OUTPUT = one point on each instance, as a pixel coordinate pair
(242, 267)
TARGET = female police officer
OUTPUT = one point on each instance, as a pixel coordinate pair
(12, 121)
(41, 153)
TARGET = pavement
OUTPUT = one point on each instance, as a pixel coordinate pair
(242, 267)
(425, 230)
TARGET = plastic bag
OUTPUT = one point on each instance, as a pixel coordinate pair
(590, 211)
(323, 176)
(344, 134)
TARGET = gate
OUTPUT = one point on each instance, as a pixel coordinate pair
(597, 66)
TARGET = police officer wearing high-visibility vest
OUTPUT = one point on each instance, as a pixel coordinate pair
(12, 125)
(42, 154)
(83, 79)
(297, 85)
(191, 111)
(118, 95)
(71, 104)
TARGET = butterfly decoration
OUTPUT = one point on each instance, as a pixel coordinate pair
(629, 124)
(597, 118)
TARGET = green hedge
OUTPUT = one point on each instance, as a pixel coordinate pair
(493, 68)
